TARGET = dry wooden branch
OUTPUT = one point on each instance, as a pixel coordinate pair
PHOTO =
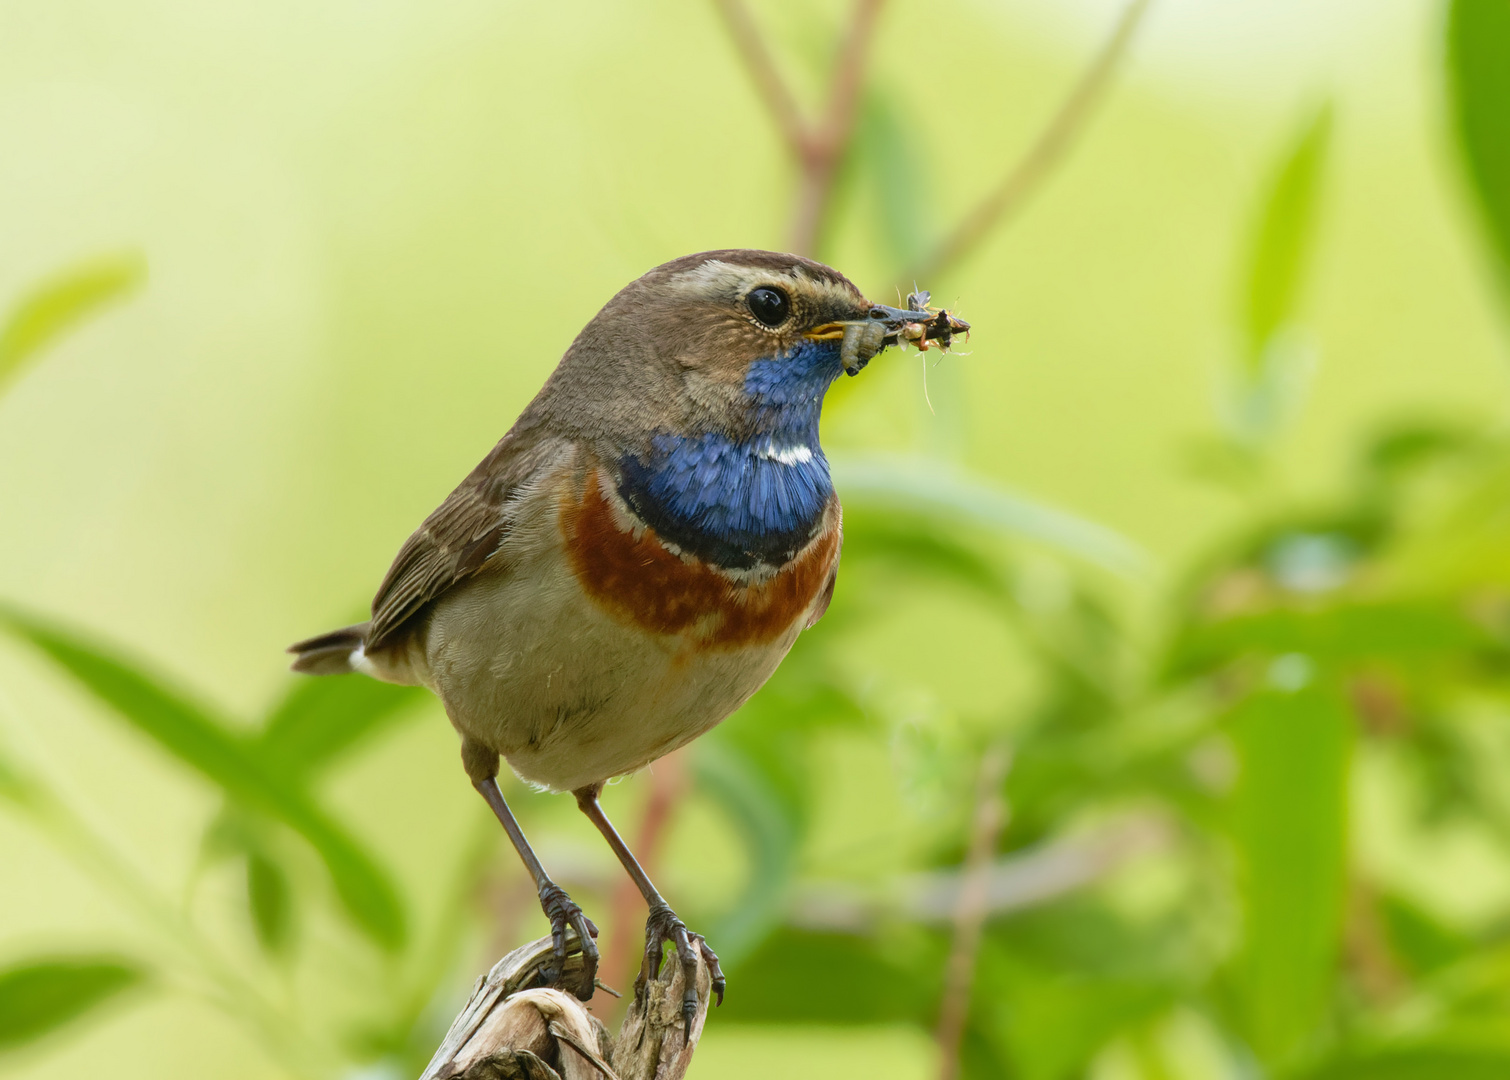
(652, 1043)
(513, 1029)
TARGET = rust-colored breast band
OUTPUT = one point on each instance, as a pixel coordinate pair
(641, 583)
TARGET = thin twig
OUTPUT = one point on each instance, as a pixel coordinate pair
(818, 149)
(849, 74)
(828, 145)
(970, 917)
(768, 82)
(1053, 141)
(1023, 880)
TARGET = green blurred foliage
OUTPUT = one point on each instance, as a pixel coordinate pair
(1288, 827)
(1284, 239)
(261, 784)
(1266, 382)
(1478, 65)
(39, 997)
(64, 300)
(1191, 883)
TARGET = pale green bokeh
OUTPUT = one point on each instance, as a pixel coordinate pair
(741, 1054)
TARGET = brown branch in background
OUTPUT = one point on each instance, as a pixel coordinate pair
(1029, 878)
(621, 948)
(1366, 953)
(970, 916)
(827, 146)
(762, 68)
(818, 148)
(1047, 150)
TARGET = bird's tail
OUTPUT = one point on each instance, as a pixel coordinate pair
(332, 653)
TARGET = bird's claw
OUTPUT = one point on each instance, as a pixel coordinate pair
(663, 926)
(563, 911)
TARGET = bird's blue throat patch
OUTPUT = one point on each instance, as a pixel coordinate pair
(741, 503)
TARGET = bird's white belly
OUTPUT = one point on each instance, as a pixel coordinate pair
(529, 665)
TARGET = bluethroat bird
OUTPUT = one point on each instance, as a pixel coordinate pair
(634, 558)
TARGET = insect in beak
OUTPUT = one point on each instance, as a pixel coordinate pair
(881, 326)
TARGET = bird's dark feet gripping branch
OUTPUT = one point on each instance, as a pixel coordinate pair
(637, 555)
(663, 926)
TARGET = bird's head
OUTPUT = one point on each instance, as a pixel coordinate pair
(741, 340)
(736, 309)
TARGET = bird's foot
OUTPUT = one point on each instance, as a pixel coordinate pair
(563, 911)
(663, 926)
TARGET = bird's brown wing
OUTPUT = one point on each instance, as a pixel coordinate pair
(459, 538)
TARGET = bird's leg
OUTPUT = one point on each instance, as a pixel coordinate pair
(663, 924)
(559, 908)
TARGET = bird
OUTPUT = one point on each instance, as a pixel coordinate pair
(635, 557)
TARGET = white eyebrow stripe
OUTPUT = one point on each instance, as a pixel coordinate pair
(718, 280)
(711, 279)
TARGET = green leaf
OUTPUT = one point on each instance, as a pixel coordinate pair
(1408, 447)
(232, 762)
(239, 834)
(941, 492)
(1052, 1027)
(803, 977)
(270, 901)
(321, 719)
(1478, 71)
(1417, 939)
(1084, 936)
(43, 995)
(917, 546)
(1055, 984)
(1288, 826)
(1418, 1062)
(1400, 630)
(1283, 244)
(770, 827)
(61, 302)
(15, 786)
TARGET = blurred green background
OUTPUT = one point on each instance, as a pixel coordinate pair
(1203, 539)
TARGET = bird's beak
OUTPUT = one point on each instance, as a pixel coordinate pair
(877, 326)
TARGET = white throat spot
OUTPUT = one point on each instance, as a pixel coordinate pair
(785, 455)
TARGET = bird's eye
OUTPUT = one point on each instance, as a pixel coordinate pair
(770, 306)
